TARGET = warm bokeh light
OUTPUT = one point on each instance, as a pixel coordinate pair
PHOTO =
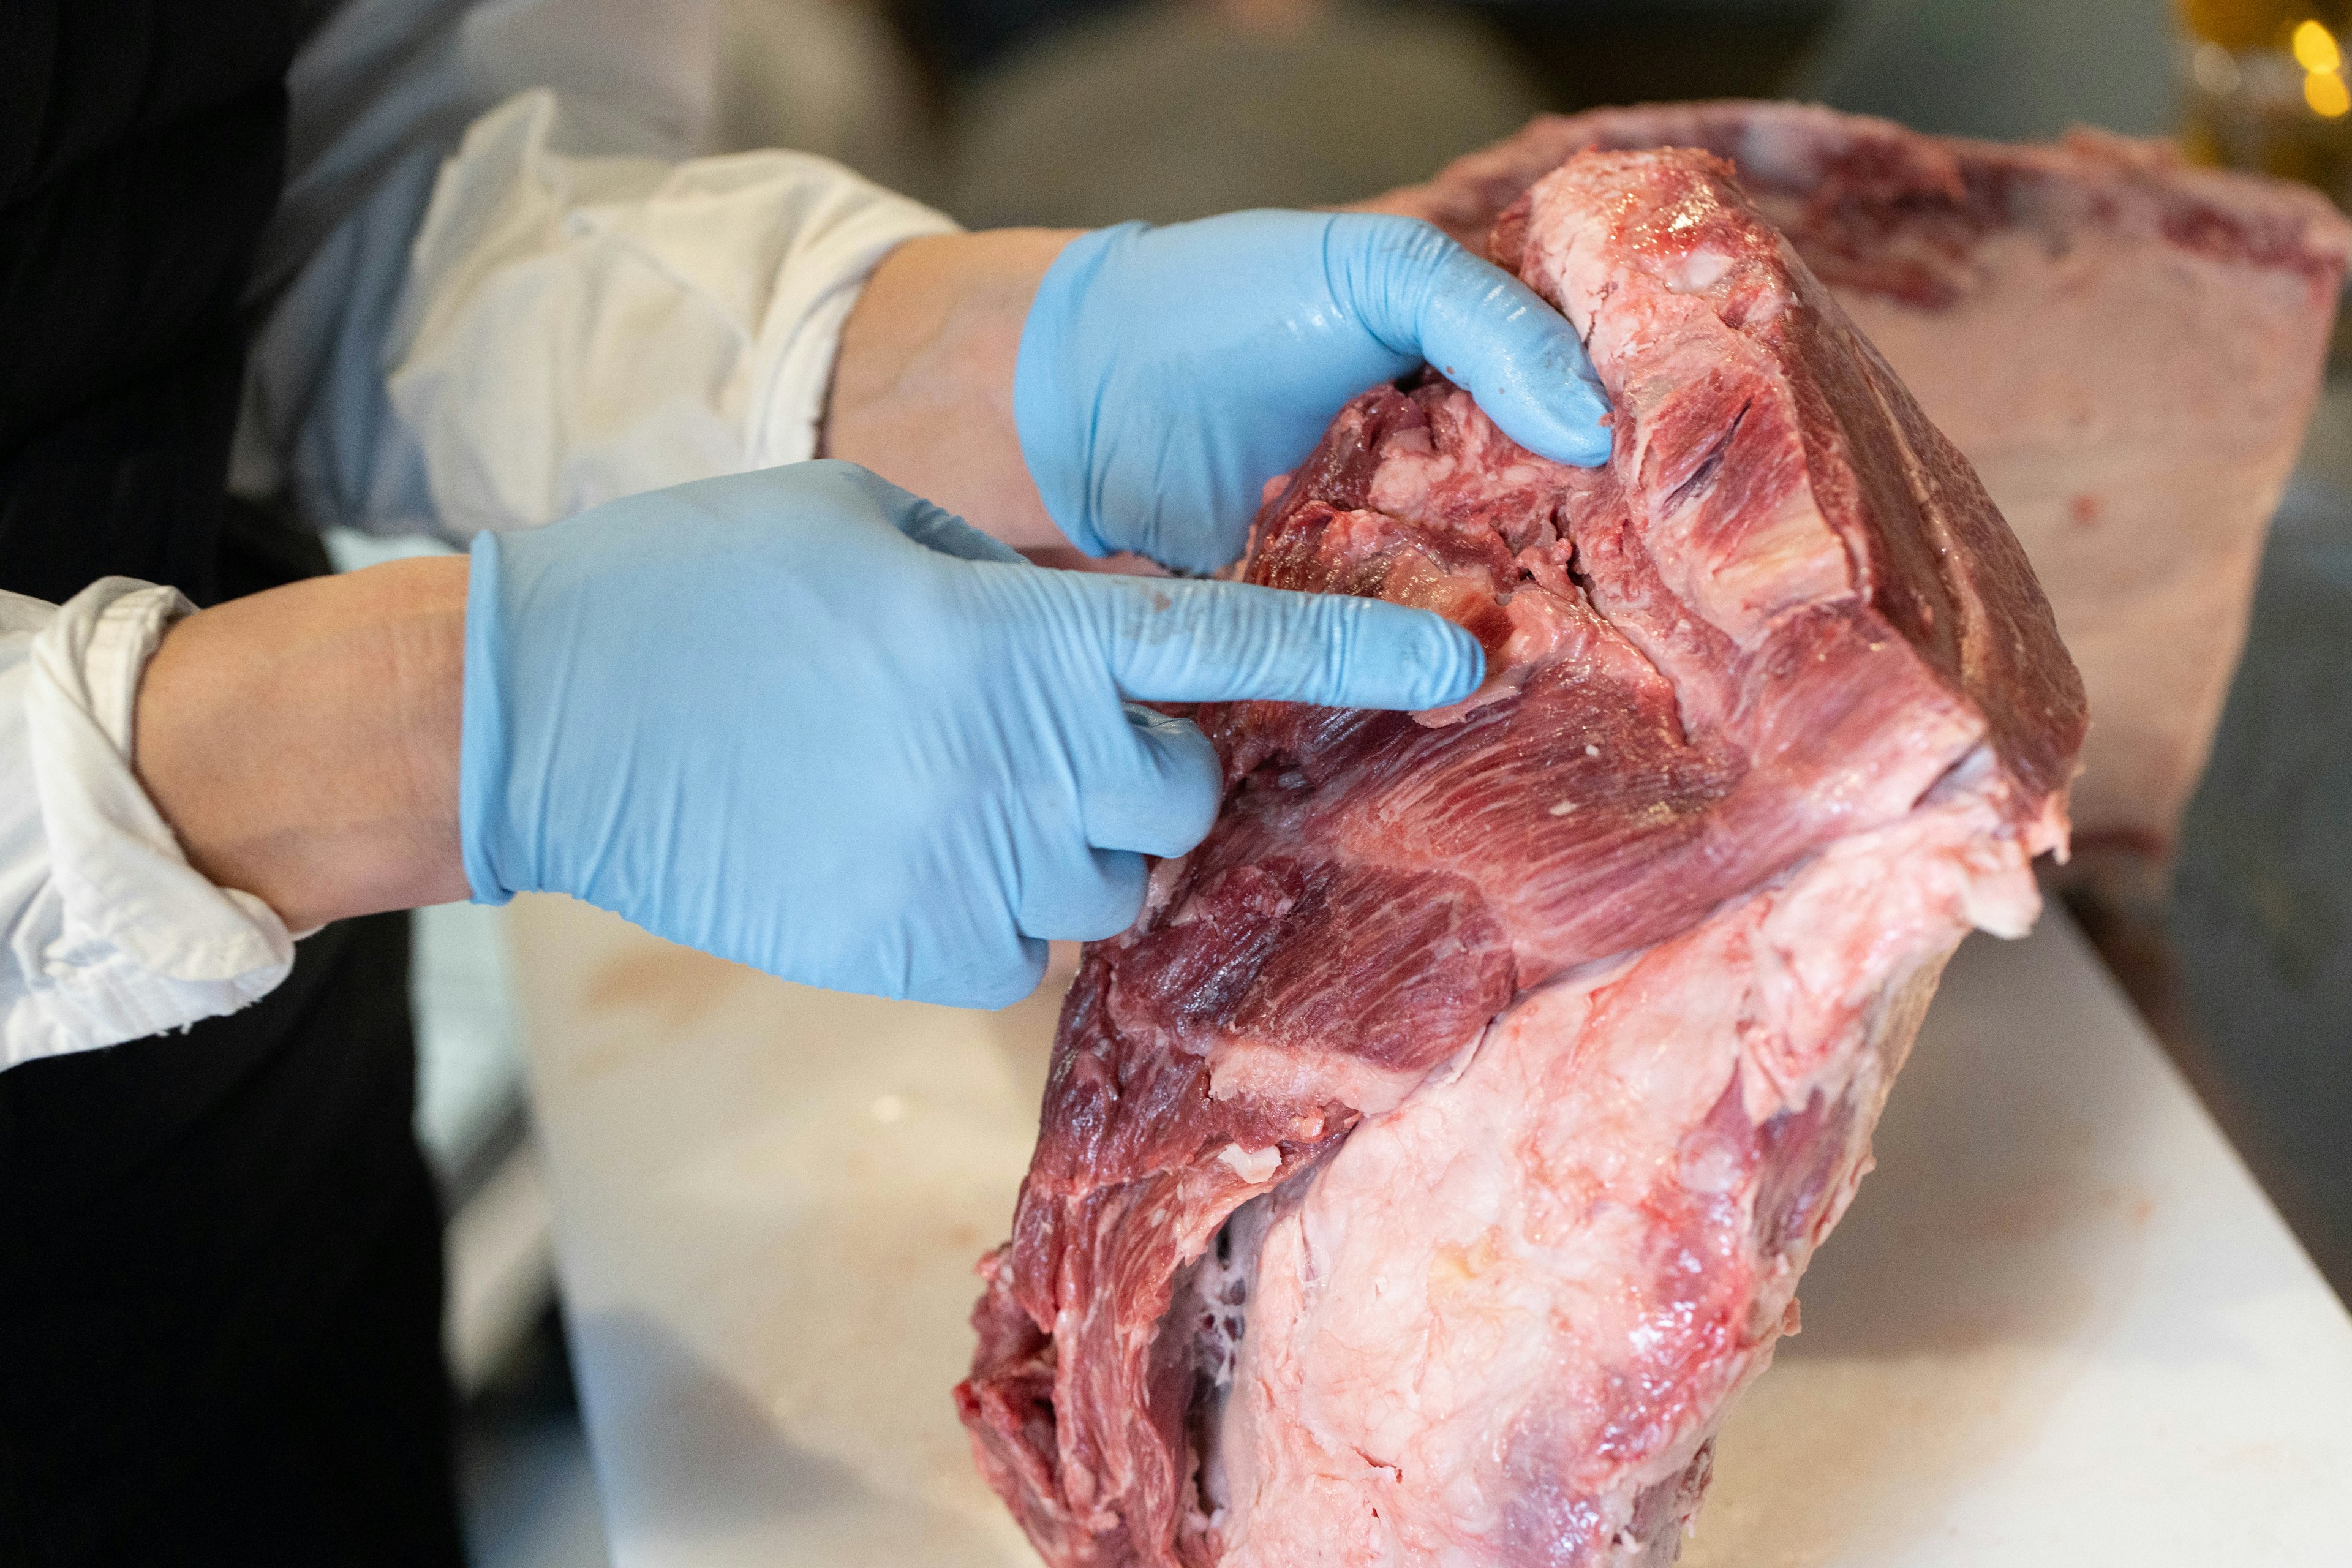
(2240, 64)
(2316, 50)
(2259, 23)
(2215, 68)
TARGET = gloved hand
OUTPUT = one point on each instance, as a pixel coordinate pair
(802, 720)
(1165, 374)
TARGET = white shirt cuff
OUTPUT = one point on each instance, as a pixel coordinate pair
(578, 327)
(123, 938)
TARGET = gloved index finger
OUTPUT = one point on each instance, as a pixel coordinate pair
(1230, 642)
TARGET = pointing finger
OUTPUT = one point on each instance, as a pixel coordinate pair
(1229, 642)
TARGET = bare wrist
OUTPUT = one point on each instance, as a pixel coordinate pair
(922, 386)
(303, 743)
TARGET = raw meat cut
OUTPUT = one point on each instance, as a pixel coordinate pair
(1422, 1174)
(2125, 349)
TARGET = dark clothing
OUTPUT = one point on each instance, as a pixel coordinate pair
(142, 150)
(220, 1289)
(220, 1276)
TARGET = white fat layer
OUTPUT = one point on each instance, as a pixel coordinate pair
(1449, 1298)
(1214, 1296)
(1252, 1165)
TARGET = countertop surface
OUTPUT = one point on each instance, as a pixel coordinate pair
(2059, 1325)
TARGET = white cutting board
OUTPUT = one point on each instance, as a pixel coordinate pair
(2059, 1326)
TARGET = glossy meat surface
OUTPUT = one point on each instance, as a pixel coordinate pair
(1423, 1173)
(2127, 350)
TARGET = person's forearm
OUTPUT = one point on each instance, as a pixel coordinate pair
(922, 388)
(303, 743)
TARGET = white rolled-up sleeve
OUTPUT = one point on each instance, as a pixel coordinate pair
(581, 327)
(574, 326)
(110, 934)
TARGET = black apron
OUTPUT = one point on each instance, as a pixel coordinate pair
(220, 1266)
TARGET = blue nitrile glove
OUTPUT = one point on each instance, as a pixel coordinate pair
(802, 720)
(1165, 374)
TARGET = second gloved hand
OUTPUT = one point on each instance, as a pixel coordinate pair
(802, 720)
(1165, 374)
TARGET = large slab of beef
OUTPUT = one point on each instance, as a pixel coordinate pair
(1422, 1175)
(2125, 349)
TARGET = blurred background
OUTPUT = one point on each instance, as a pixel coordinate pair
(1081, 112)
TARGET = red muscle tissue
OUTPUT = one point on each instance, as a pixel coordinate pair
(1426, 1171)
(2124, 348)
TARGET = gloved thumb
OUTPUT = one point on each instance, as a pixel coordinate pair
(1482, 328)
